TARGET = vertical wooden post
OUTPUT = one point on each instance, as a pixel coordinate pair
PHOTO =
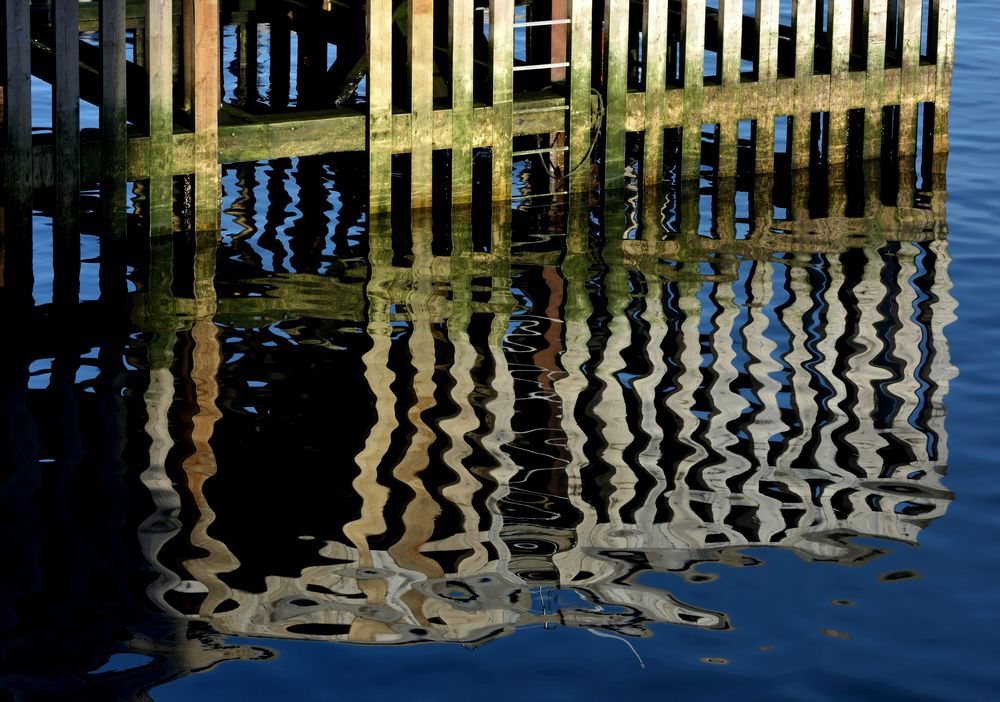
(763, 144)
(727, 137)
(839, 31)
(502, 50)
(730, 41)
(114, 134)
(767, 39)
(66, 118)
(616, 24)
(693, 33)
(420, 44)
(18, 180)
(804, 24)
(207, 69)
(581, 34)
(380, 104)
(160, 158)
(910, 69)
(875, 78)
(186, 59)
(654, 32)
(943, 26)
(460, 42)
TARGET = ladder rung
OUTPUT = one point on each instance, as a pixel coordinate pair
(541, 66)
(541, 23)
(534, 152)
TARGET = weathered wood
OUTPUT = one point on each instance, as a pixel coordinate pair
(616, 24)
(655, 25)
(730, 41)
(875, 79)
(159, 64)
(944, 45)
(460, 43)
(804, 26)
(66, 121)
(502, 53)
(420, 44)
(114, 129)
(839, 30)
(727, 139)
(17, 97)
(380, 104)
(580, 71)
(206, 112)
(767, 20)
(693, 51)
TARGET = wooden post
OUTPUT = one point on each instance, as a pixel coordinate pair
(730, 41)
(804, 24)
(502, 51)
(654, 31)
(875, 79)
(693, 33)
(206, 62)
(66, 120)
(114, 133)
(943, 30)
(160, 157)
(18, 174)
(460, 42)
(767, 39)
(420, 44)
(763, 144)
(727, 139)
(581, 33)
(839, 31)
(616, 24)
(380, 104)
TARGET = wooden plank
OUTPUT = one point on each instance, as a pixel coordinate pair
(693, 51)
(207, 80)
(727, 136)
(66, 120)
(114, 130)
(836, 142)
(912, 17)
(655, 25)
(839, 31)
(17, 85)
(763, 144)
(159, 65)
(420, 44)
(875, 81)
(460, 42)
(380, 104)
(730, 41)
(800, 140)
(944, 32)
(502, 52)
(616, 25)
(767, 20)
(804, 26)
(186, 58)
(580, 135)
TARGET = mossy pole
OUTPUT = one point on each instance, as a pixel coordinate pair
(875, 77)
(655, 25)
(66, 139)
(581, 32)
(379, 23)
(206, 115)
(420, 44)
(160, 156)
(114, 130)
(17, 183)
(461, 47)
(502, 52)
(616, 25)
(693, 72)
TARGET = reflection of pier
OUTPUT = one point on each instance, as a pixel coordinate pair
(502, 80)
(530, 438)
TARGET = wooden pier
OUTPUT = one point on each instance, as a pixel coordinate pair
(185, 86)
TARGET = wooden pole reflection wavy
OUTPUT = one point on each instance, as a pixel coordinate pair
(644, 404)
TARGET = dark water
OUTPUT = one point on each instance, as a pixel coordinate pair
(742, 450)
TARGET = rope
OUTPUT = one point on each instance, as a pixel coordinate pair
(546, 159)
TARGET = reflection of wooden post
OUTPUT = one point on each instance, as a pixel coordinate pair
(114, 134)
(380, 104)
(655, 57)
(160, 157)
(460, 38)
(206, 111)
